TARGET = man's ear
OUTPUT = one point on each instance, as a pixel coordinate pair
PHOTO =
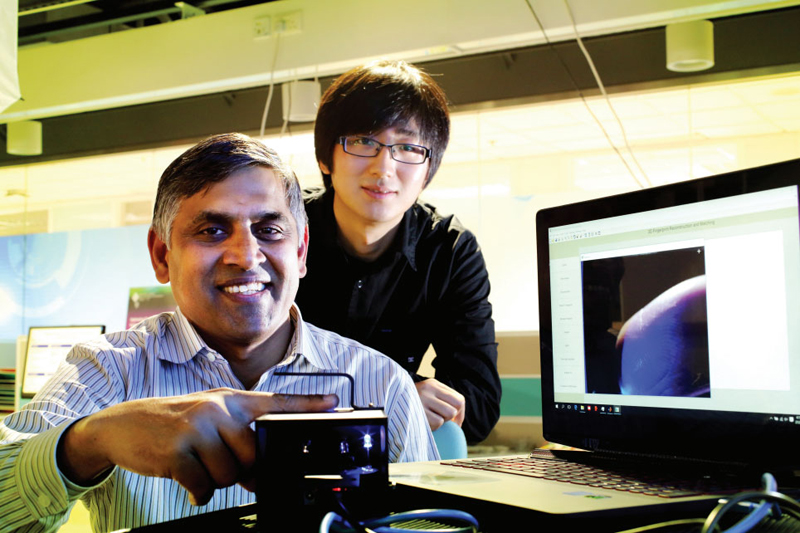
(302, 253)
(428, 176)
(158, 256)
(323, 168)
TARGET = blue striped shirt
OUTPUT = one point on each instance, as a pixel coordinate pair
(164, 356)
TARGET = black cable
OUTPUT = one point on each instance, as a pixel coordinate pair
(789, 505)
(348, 516)
(662, 525)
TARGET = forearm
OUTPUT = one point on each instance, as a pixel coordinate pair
(482, 392)
(466, 360)
(466, 351)
(32, 494)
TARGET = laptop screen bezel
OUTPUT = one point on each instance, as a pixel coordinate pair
(707, 434)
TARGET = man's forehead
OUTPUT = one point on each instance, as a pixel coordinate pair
(404, 127)
(258, 189)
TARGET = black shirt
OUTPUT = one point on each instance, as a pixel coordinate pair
(430, 287)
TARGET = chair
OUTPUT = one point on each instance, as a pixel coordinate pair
(450, 441)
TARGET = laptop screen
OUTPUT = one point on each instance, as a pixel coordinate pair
(669, 317)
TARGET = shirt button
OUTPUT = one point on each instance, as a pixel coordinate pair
(360, 284)
(211, 357)
(44, 500)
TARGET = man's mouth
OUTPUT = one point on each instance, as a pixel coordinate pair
(378, 192)
(245, 288)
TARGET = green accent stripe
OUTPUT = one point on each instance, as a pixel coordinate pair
(521, 396)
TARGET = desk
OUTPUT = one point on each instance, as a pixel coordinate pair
(494, 518)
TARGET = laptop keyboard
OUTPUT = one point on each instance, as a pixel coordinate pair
(543, 464)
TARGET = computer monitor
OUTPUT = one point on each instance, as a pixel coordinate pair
(669, 317)
(47, 348)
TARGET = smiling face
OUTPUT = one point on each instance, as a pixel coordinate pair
(376, 191)
(234, 263)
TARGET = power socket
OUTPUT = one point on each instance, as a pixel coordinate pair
(288, 23)
(262, 27)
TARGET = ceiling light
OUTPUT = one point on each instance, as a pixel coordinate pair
(690, 46)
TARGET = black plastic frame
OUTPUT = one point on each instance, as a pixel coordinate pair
(727, 436)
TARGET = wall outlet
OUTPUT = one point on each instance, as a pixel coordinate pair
(287, 23)
(262, 27)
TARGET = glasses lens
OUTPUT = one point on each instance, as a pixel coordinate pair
(362, 146)
(409, 153)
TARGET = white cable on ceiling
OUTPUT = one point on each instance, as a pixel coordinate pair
(271, 86)
(583, 97)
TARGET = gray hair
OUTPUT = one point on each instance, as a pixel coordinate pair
(214, 160)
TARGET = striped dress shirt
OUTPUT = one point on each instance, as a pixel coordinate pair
(164, 356)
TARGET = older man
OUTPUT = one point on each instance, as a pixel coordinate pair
(153, 423)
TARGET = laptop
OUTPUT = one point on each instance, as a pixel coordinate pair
(669, 338)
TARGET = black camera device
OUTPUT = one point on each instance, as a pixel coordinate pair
(308, 464)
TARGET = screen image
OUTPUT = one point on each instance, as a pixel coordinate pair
(645, 323)
(681, 307)
(47, 349)
(668, 319)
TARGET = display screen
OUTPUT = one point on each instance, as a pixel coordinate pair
(47, 348)
(668, 313)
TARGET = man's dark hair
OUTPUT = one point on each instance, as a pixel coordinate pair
(377, 96)
(212, 161)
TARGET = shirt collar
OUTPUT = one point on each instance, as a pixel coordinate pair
(303, 345)
(405, 242)
(184, 343)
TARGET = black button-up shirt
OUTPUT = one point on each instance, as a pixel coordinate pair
(430, 287)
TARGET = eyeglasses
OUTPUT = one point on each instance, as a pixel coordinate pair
(413, 154)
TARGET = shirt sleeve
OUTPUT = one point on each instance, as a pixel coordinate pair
(464, 341)
(34, 496)
(410, 437)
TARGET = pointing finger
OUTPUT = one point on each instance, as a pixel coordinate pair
(250, 405)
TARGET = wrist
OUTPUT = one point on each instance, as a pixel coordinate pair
(79, 455)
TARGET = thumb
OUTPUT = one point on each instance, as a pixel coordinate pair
(250, 405)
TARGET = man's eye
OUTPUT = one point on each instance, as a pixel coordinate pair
(269, 232)
(362, 141)
(212, 231)
(411, 148)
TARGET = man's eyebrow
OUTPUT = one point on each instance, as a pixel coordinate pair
(407, 132)
(219, 217)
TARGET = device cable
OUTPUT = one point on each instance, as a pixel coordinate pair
(271, 86)
(768, 503)
(464, 522)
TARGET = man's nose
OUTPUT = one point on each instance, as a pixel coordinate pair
(383, 164)
(244, 250)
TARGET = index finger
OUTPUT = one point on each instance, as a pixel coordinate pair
(251, 404)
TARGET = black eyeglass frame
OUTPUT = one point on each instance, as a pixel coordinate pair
(343, 141)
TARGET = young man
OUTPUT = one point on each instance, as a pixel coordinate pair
(390, 271)
(142, 423)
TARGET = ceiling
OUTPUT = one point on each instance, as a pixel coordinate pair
(499, 62)
(659, 125)
(55, 21)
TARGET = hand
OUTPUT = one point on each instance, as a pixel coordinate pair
(202, 440)
(441, 403)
